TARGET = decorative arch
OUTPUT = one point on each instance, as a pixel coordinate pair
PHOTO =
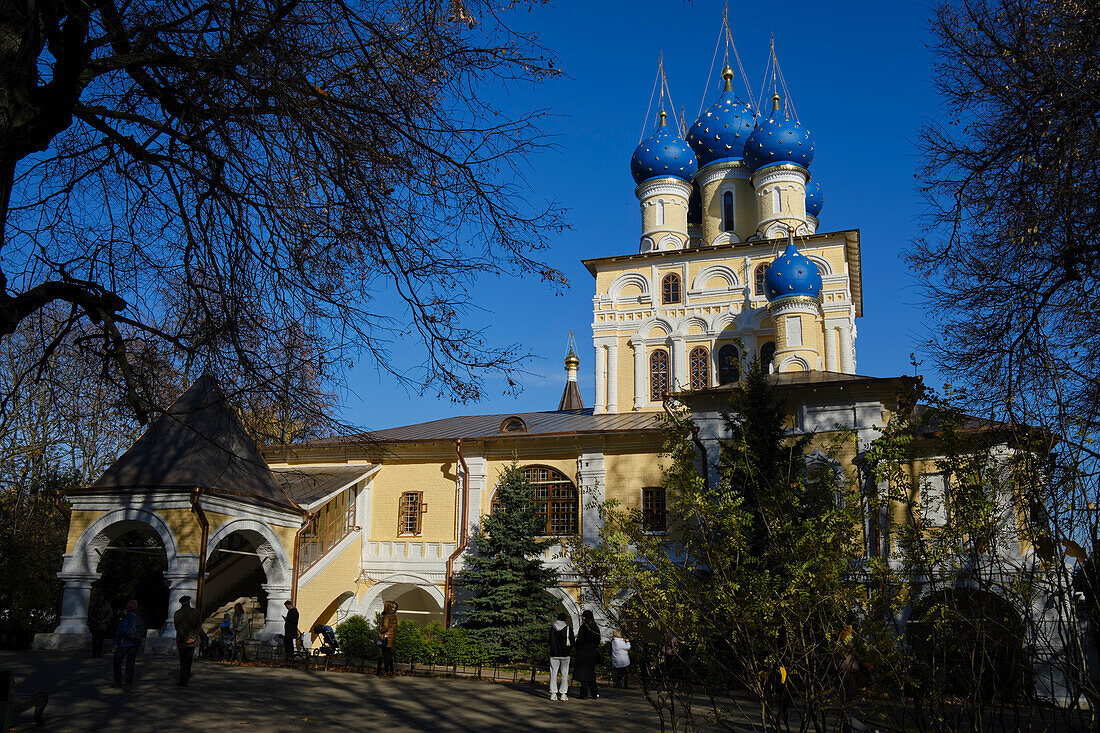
(727, 322)
(670, 241)
(687, 323)
(372, 599)
(794, 360)
(101, 532)
(725, 238)
(628, 278)
(279, 570)
(648, 324)
(823, 265)
(724, 271)
(571, 606)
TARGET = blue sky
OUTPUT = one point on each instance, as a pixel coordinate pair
(859, 74)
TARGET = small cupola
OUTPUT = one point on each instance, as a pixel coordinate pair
(571, 396)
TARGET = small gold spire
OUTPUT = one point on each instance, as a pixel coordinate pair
(727, 74)
(571, 360)
(775, 102)
(660, 121)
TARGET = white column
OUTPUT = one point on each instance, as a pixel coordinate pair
(75, 595)
(479, 469)
(590, 485)
(183, 580)
(273, 618)
(830, 347)
(679, 363)
(601, 380)
(639, 374)
(846, 364)
(613, 376)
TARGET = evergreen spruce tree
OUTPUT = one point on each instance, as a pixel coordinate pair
(511, 609)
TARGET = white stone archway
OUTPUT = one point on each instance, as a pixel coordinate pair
(395, 585)
(79, 569)
(277, 566)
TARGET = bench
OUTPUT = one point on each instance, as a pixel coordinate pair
(15, 701)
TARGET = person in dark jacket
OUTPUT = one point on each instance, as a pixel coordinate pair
(387, 633)
(588, 656)
(188, 625)
(561, 646)
(290, 631)
(99, 615)
(129, 635)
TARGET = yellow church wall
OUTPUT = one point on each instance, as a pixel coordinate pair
(436, 479)
(626, 474)
(338, 577)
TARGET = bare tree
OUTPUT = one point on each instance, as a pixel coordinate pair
(265, 187)
(1011, 261)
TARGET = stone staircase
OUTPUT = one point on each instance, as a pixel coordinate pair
(252, 608)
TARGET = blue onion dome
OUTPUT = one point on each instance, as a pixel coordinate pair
(790, 274)
(814, 199)
(663, 155)
(778, 139)
(721, 131)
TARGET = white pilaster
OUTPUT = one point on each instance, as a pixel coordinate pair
(601, 380)
(613, 376)
(479, 469)
(830, 347)
(846, 362)
(75, 596)
(679, 363)
(273, 618)
(639, 374)
(591, 485)
(183, 580)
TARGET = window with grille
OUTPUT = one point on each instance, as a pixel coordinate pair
(759, 274)
(729, 364)
(653, 509)
(556, 498)
(670, 289)
(409, 512)
(333, 522)
(658, 375)
(699, 364)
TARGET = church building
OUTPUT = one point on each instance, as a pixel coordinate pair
(731, 265)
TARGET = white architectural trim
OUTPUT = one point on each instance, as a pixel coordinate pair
(794, 359)
(319, 566)
(279, 570)
(336, 492)
(699, 285)
(629, 278)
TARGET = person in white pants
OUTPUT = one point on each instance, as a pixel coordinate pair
(561, 646)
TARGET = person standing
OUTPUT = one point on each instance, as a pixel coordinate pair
(387, 635)
(620, 658)
(290, 631)
(188, 624)
(99, 615)
(561, 646)
(588, 656)
(240, 631)
(129, 636)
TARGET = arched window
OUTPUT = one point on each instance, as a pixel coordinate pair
(777, 203)
(729, 364)
(727, 211)
(670, 289)
(555, 497)
(767, 354)
(658, 375)
(758, 276)
(660, 212)
(699, 365)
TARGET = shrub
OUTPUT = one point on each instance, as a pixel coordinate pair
(410, 645)
(356, 637)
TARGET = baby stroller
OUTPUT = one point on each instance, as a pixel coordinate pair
(327, 636)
